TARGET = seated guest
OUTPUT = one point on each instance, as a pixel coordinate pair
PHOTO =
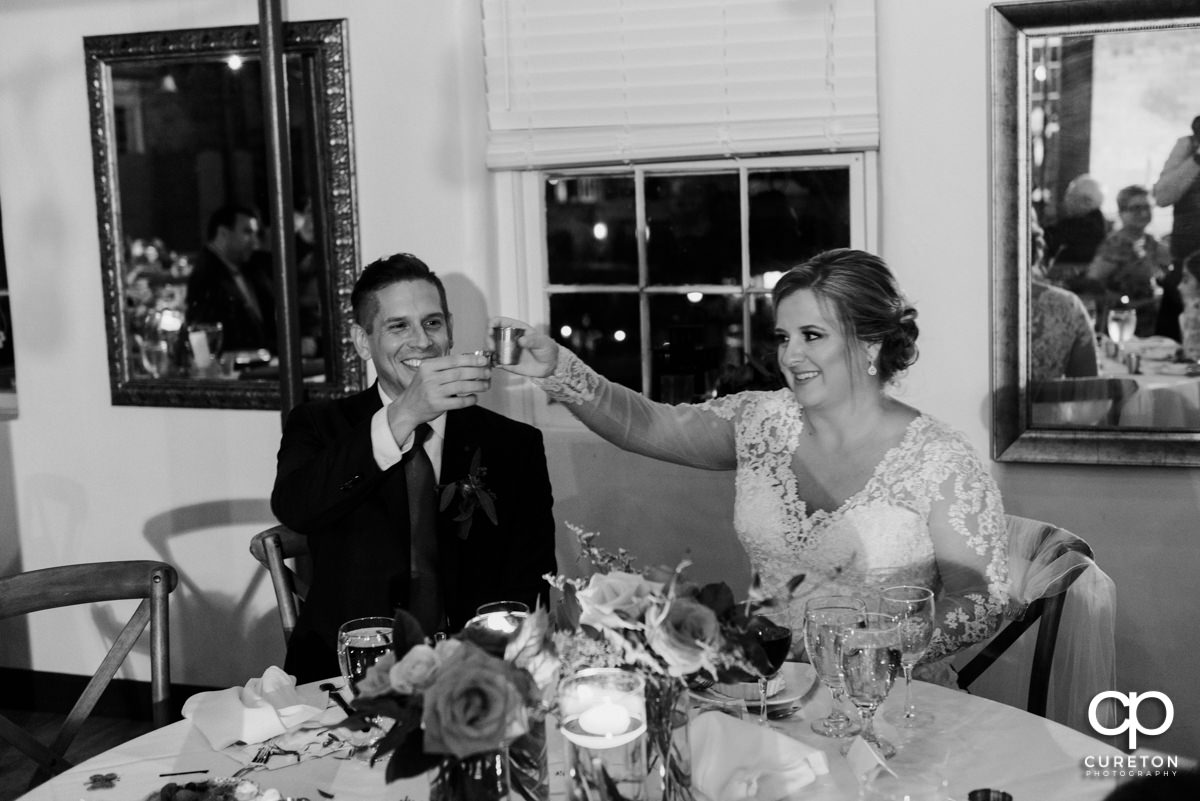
(1071, 241)
(836, 479)
(231, 287)
(1130, 261)
(1061, 339)
(363, 478)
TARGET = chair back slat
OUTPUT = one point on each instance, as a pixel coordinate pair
(1046, 611)
(271, 548)
(70, 585)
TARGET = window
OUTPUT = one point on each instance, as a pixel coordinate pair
(659, 275)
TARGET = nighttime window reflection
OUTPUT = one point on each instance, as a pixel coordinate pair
(591, 230)
(694, 235)
(687, 316)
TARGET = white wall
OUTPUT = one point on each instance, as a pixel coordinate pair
(93, 481)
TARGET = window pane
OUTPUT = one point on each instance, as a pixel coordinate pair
(795, 214)
(591, 229)
(693, 229)
(602, 329)
(692, 342)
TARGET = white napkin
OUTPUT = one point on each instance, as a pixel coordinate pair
(265, 707)
(735, 759)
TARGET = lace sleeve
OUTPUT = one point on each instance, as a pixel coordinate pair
(970, 541)
(693, 435)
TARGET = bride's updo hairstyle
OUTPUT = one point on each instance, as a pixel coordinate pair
(862, 291)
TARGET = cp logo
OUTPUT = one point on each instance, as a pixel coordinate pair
(1131, 724)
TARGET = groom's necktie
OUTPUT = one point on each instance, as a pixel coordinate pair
(424, 600)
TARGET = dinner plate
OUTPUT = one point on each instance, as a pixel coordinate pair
(799, 679)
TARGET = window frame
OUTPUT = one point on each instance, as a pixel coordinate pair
(523, 265)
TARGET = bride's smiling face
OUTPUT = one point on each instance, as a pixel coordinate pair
(815, 355)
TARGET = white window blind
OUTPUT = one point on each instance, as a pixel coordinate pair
(603, 81)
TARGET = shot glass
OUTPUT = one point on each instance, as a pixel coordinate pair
(507, 349)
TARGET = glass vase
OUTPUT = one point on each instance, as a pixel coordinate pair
(529, 774)
(481, 777)
(668, 750)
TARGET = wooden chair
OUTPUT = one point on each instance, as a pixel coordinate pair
(270, 548)
(70, 585)
(1079, 401)
(1053, 542)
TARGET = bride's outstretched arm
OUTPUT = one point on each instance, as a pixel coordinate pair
(693, 435)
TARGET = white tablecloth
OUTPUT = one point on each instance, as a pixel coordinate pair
(982, 743)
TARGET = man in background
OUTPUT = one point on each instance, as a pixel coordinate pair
(354, 477)
(1177, 186)
(229, 286)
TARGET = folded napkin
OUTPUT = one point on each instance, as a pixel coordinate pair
(266, 707)
(735, 759)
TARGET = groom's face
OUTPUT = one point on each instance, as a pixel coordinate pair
(408, 326)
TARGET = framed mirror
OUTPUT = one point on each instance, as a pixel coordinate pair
(1092, 105)
(181, 173)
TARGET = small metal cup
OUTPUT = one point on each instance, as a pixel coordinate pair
(987, 794)
(507, 349)
(491, 355)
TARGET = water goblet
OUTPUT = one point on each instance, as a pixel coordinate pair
(775, 637)
(822, 629)
(914, 606)
(360, 644)
(869, 653)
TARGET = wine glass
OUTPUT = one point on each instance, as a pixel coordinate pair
(869, 653)
(822, 628)
(1121, 323)
(914, 607)
(360, 644)
(775, 637)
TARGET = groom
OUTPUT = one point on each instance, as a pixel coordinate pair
(410, 495)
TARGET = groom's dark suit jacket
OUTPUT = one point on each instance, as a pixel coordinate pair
(355, 516)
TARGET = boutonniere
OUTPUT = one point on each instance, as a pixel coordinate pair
(472, 494)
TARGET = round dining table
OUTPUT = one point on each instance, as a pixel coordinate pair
(973, 742)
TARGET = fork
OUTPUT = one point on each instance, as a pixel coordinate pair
(261, 756)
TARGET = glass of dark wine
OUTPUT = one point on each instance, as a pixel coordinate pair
(775, 637)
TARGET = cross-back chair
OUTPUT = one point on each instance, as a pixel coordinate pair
(271, 548)
(95, 582)
(1046, 543)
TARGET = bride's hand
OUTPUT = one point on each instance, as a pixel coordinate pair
(539, 353)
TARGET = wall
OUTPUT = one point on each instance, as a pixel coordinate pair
(92, 481)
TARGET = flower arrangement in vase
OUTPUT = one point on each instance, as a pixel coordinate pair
(666, 628)
(474, 716)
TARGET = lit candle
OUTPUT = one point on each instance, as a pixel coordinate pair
(605, 719)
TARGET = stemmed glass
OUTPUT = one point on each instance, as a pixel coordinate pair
(914, 607)
(822, 630)
(360, 644)
(775, 637)
(869, 653)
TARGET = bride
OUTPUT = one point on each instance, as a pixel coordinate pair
(836, 479)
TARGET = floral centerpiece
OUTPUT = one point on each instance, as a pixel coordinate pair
(473, 707)
(463, 709)
(666, 628)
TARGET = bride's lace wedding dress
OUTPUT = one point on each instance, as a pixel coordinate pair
(930, 514)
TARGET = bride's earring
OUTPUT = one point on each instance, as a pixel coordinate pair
(871, 368)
